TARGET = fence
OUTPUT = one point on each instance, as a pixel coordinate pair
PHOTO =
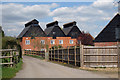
(9, 57)
(86, 56)
(69, 55)
(38, 53)
(100, 56)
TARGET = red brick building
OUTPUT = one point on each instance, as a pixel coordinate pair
(41, 43)
(107, 37)
(34, 38)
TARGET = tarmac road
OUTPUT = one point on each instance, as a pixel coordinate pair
(36, 68)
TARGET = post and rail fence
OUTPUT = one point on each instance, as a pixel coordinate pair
(86, 56)
(9, 57)
(38, 53)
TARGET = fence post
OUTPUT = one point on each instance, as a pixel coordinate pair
(54, 53)
(62, 54)
(51, 54)
(58, 54)
(75, 55)
(68, 54)
(46, 55)
(23, 52)
(81, 55)
(11, 54)
(118, 52)
(16, 57)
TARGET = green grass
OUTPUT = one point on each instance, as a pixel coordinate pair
(10, 72)
(35, 56)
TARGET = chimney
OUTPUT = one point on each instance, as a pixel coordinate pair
(70, 24)
(55, 23)
(34, 21)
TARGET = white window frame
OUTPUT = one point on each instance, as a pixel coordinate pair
(43, 49)
(42, 41)
(27, 42)
(52, 41)
(72, 41)
(60, 41)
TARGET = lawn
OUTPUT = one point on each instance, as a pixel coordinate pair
(10, 72)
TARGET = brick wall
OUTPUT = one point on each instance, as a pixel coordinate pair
(36, 45)
(105, 43)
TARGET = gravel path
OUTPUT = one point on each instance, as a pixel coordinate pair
(36, 68)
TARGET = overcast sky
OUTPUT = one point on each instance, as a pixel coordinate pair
(91, 17)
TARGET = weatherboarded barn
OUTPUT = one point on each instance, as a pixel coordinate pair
(71, 30)
(53, 30)
(107, 36)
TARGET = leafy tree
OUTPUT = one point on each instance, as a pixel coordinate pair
(9, 42)
(85, 39)
(37, 45)
(2, 32)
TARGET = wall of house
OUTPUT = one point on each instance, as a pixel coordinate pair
(105, 43)
(35, 44)
(66, 41)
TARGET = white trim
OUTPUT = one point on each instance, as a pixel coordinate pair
(71, 42)
(42, 41)
(61, 41)
(27, 42)
(53, 42)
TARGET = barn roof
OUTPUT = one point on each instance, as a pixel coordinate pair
(67, 30)
(34, 21)
(23, 32)
(48, 30)
(31, 26)
(54, 27)
(70, 24)
(108, 33)
(68, 27)
(55, 23)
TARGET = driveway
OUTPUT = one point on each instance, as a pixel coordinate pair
(36, 68)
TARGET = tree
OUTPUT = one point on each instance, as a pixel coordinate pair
(37, 45)
(2, 32)
(85, 39)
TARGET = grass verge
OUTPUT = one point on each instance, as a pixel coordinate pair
(35, 56)
(10, 72)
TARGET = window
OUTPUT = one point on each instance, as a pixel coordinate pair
(71, 41)
(42, 42)
(60, 41)
(52, 42)
(27, 42)
(42, 49)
